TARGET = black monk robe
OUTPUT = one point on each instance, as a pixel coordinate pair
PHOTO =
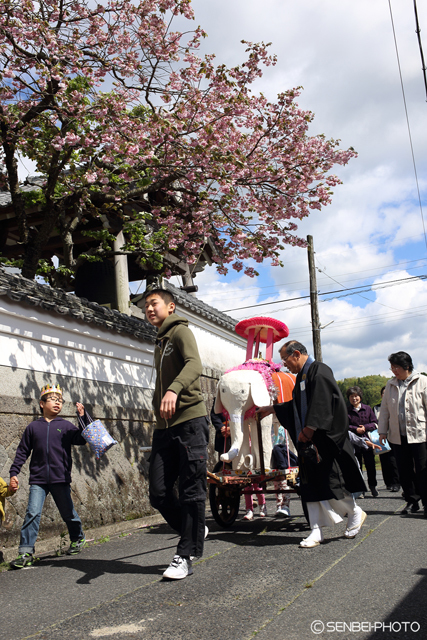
(327, 411)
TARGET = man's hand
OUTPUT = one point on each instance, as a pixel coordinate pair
(225, 431)
(14, 484)
(360, 430)
(383, 439)
(168, 405)
(265, 411)
(306, 435)
(80, 408)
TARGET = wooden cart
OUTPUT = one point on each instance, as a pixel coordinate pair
(227, 486)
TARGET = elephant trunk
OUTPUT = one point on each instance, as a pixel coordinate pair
(236, 429)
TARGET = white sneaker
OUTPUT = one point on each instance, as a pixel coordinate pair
(262, 510)
(179, 568)
(355, 522)
(283, 512)
(249, 515)
(206, 532)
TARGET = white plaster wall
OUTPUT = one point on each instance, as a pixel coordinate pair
(219, 348)
(37, 340)
(215, 351)
(33, 339)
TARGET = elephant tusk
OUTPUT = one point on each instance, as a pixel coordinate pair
(248, 461)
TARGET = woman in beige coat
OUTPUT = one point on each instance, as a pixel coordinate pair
(403, 421)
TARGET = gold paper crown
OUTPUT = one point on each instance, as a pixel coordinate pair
(50, 388)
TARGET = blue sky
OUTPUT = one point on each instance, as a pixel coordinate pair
(343, 54)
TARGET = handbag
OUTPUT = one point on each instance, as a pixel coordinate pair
(97, 436)
(374, 437)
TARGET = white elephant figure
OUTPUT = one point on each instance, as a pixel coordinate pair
(239, 391)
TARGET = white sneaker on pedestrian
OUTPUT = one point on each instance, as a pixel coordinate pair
(249, 515)
(262, 510)
(178, 569)
(355, 522)
(283, 512)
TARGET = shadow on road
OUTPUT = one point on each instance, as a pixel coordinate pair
(408, 618)
(93, 569)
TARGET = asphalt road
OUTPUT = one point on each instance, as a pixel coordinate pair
(253, 580)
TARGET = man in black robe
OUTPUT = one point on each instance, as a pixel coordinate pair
(317, 416)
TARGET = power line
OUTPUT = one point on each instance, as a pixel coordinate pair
(407, 121)
(364, 289)
(368, 299)
(285, 284)
(418, 32)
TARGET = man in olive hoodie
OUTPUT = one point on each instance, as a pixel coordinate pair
(182, 432)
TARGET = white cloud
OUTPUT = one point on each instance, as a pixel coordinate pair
(343, 54)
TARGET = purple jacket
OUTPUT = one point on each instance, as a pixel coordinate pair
(50, 444)
(365, 416)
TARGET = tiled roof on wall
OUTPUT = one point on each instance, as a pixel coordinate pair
(32, 293)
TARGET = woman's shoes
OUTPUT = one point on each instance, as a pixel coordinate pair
(249, 515)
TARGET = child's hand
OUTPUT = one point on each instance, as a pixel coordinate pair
(14, 484)
(80, 408)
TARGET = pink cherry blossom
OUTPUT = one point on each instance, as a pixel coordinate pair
(123, 116)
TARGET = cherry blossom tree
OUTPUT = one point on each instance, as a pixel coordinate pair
(133, 131)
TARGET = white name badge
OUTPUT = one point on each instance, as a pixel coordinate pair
(302, 385)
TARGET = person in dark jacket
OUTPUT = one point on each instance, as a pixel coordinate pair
(48, 440)
(317, 423)
(362, 420)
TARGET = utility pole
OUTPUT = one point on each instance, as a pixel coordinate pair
(314, 303)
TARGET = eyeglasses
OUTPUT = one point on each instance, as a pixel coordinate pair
(284, 360)
(55, 399)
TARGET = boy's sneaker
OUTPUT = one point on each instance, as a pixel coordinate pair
(249, 515)
(24, 560)
(283, 512)
(262, 510)
(178, 569)
(76, 547)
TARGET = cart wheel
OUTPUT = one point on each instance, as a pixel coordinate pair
(224, 501)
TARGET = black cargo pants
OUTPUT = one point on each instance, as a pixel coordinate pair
(180, 452)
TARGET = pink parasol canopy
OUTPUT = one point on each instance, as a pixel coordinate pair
(266, 330)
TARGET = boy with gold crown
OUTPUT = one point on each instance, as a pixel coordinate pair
(48, 440)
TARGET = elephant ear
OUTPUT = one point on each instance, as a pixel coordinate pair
(218, 407)
(260, 395)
